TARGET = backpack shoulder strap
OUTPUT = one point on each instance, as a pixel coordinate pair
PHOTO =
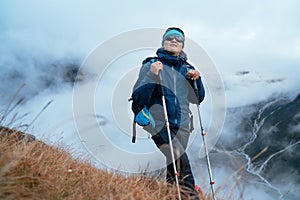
(188, 66)
(152, 59)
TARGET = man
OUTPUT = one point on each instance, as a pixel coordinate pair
(177, 85)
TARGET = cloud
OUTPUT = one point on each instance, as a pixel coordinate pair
(38, 38)
(238, 34)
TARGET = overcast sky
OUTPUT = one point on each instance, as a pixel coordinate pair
(260, 29)
(262, 36)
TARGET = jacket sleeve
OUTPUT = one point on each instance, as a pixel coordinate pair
(143, 88)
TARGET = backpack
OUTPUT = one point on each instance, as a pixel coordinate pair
(142, 117)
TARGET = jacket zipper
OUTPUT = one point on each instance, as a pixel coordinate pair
(175, 93)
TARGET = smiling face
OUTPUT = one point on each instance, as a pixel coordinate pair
(172, 45)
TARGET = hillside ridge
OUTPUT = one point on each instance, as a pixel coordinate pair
(31, 169)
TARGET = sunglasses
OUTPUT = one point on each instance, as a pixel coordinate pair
(176, 37)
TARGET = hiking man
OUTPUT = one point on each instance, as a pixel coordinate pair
(176, 84)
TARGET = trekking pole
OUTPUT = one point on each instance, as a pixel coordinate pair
(169, 136)
(203, 133)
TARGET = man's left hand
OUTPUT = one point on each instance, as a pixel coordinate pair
(193, 75)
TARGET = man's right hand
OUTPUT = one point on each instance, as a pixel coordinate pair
(156, 67)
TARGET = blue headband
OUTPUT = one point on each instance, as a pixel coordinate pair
(173, 32)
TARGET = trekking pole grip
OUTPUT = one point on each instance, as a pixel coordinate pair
(195, 85)
(160, 77)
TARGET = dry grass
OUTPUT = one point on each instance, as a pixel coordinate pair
(34, 170)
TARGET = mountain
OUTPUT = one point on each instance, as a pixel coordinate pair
(31, 169)
(267, 135)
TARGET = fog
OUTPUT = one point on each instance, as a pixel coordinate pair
(256, 49)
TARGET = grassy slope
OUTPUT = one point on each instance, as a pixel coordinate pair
(34, 170)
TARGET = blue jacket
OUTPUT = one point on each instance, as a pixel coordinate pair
(178, 90)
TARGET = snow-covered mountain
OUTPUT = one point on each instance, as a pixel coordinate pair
(265, 136)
